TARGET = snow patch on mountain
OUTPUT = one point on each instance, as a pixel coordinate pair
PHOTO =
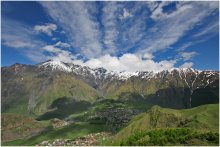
(56, 65)
(125, 75)
(99, 73)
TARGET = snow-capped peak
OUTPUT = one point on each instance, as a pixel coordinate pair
(126, 75)
(99, 73)
(56, 65)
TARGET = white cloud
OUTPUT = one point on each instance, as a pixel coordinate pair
(54, 39)
(133, 31)
(57, 53)
(63, 55)
(213, 27)
(157, 10)
(186, 65)
(47, 28)
(93, 36)
(209, 30)
(148, 56)
(62, 44)
(152, 5)
(17, 35)
(125, 14)
(185, 45)
(51, 48)
(35, 55)
(77, 21)
(128, 62)
(96, 37)
(18, 44)
(188, 55)
(170, 27)
(109, 21)
(22, 38)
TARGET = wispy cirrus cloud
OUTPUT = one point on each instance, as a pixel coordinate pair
(93, 36)
(62, 44)
(170, 27)
(77, 21)
(157, 9)
(109, 21)
(125, 14)
(24, 39)
(17, 35)
(211, 28)
(16, 43)
(110, 30)
(47, 28)
(188, 55)
(185, 45)
(133, 29)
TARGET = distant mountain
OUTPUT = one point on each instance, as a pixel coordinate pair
(31, 89)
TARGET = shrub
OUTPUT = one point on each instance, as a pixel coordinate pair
(169, 137)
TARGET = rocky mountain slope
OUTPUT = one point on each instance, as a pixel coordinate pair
(31, 89)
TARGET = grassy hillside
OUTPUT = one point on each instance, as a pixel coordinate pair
(80, 115)
(32, 92)
(203, 119)
(157, 126)
(68, 132)
(64, 86)
(16, 126)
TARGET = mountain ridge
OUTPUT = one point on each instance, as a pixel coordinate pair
(35, 87)
(66, 66)
(57, 64)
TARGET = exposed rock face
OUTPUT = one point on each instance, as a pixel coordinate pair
(57, 123)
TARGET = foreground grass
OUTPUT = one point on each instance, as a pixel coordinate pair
(161, 137)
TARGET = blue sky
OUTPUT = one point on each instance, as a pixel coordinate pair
(115, 35)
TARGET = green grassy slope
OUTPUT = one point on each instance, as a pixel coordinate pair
(65, 86)
(77, 113)
(32, 92)
(16, 126)
(203, 118)
(68, 132)
(144, 129)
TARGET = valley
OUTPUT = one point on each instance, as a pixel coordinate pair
(58, 103)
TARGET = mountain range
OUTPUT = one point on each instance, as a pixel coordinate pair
(31, 89)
